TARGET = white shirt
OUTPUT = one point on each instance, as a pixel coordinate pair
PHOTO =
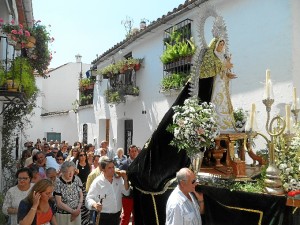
(12, 199)
(110, 192)
(182, 211)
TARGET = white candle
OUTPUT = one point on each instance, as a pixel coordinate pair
(295, 106)
(268, 91)
(288, 117)
(252, 116)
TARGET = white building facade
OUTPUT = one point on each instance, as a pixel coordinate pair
(54, 117)
(260, 38)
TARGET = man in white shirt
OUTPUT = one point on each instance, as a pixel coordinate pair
(185, 204)
(105, 193)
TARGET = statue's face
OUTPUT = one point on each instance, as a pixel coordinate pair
(220, 46)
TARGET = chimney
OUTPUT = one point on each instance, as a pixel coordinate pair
(78, 58)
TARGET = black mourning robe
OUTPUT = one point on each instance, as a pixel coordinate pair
(158, 163)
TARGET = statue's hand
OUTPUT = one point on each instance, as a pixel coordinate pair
(231, 75)
(228, 64)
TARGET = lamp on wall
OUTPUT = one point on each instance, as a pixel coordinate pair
(114, 141)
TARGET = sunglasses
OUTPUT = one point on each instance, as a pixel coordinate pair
(82, 155)
(194, 181)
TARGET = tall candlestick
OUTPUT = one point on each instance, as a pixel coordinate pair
(295, 105)
(267, 89)
(252, 116)
(288, 117)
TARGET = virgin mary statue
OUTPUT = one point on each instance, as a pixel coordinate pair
(152, 173)
(214, 80)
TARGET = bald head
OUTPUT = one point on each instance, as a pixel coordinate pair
(183, 174)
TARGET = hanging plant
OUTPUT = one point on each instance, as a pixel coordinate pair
(21, 73)
(40, 56)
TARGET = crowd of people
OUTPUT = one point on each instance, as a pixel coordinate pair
(59, 184)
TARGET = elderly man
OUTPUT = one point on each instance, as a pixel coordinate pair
(185, 204)
(105, 193)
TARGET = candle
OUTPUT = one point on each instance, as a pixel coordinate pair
(252, 116)
(288, 117)
(295, 106)
(267, 89)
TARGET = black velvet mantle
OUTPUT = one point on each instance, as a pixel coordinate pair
(158, 163)
(223, 206)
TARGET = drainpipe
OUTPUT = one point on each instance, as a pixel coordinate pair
(8, 7)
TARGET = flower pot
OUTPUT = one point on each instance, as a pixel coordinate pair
(10, 41)
(137, 67)
(18, 46)
(31, 39)
(12, 85)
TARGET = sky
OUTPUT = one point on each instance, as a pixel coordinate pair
(92, 27)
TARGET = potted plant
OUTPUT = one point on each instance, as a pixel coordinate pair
(174, 81)
(40, 56)
(86, 84)
(132, 90)
(17, 35)
(20, 76)
(122, 65)
(110, 70)
(112, 96)
(85, 99)
(2, 78)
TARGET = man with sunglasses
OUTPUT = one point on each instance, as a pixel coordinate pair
(185, 204)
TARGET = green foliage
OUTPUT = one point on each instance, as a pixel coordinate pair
(22, 73)
(254, 187)
(110, 70)
(3, 217)
(121, 65)
(240, 117)
(40, 56)
(177, 48)
(174, 81)
(112, 96)
(287, 159)
(2, 76)
(15, 118)
(85, 82)
(132, 90)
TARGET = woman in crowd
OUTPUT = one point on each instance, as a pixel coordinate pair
(73, 154)
(95, 164)
(90, 157)
(83, 170)
(68, 196)
(38, 208)
(25, 154)
(16, 193)
(119, 157)
(60, 158)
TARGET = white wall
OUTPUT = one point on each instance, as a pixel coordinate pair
(57, 93)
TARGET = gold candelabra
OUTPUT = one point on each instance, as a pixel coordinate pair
(295, 113)
(273, 184)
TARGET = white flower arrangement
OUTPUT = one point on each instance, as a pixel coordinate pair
(240, 118)
(288, 162)
(194, 126)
